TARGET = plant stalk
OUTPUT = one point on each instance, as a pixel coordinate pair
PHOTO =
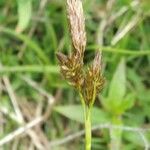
(87, 120)
(115, 134)
(88, 128)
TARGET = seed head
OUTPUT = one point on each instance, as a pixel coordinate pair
(71, 68)
(77, 25)
(94, 81)
(90, 82)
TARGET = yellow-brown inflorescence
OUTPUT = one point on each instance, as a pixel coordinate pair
(90, 82)
(71, 68)
(93, 81)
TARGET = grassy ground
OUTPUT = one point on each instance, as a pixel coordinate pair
(33, 92)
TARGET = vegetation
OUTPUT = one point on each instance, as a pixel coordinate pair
(39, 110)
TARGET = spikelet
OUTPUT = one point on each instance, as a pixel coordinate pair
(94, 81)
(77, 25)
(71, 69)
(72, 66)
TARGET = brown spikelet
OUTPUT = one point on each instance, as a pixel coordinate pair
(77, 25)
(94, 81)
(96, 71)
(96, 66)
(71, 69)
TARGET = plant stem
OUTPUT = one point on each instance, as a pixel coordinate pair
(29, 68)
(116, 134)
(119, 51)
(88, 128)
(87, 119)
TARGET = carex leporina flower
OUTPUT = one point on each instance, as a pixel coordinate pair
(89, 82)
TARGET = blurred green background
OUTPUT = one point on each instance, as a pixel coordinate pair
(31, 32)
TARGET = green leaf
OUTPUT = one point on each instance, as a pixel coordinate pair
(75, 112)
(24, 14)
(117, 87)
(126, 104)
(128, 101)
(133, 137)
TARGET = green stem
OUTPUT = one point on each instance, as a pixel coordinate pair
(115, 134)
(88, 128)
(119, 50)
(29, 68)
(87, 119)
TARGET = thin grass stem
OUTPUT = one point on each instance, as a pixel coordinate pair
(29, 68)
(88, 128)
(119, 50)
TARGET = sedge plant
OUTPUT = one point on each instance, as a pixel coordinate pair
(87, 82)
